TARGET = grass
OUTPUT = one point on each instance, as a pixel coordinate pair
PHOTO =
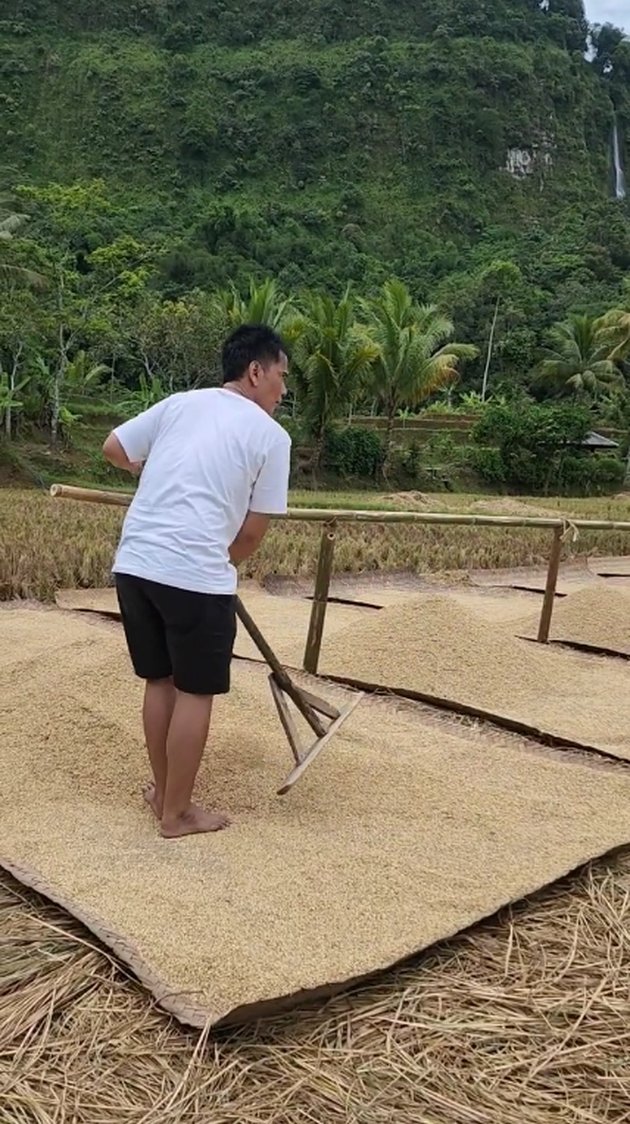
(49, 544)
(524, 1018)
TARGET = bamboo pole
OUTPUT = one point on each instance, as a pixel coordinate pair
(90, 495)
(333, 515)
(550, 587)
(320, 600)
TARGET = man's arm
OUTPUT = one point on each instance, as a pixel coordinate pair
(116, 455)
(128, 445)
(249, 537)
(269, 498)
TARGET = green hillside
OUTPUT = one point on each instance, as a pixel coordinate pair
(333, 141)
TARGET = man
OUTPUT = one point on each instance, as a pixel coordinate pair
(215, 467)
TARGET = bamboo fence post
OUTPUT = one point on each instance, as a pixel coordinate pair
(550, 586)
(320, 600)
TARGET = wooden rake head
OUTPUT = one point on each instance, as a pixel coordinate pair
(324, 719)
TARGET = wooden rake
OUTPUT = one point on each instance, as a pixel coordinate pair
(312, 708)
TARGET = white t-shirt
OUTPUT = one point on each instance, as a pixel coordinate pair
(210, 457)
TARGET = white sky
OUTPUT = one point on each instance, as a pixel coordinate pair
(609, 11)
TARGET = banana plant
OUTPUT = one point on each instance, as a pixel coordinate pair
(10, 402)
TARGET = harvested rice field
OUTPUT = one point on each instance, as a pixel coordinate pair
(49, 544)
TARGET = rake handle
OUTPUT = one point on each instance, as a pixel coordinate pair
(280, 674)
(265, 650)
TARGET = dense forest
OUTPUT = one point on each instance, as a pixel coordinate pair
(453, 170)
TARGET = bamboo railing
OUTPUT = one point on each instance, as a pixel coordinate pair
(331, 518)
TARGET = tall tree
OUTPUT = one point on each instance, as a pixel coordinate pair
(177, 342)
(580, 359)
(20, 328)
(415, 354)
(333, 358)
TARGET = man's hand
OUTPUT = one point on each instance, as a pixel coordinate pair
(249, 537)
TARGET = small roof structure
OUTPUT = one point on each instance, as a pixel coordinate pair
(597, 441)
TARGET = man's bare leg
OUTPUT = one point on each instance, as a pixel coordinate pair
(159, 701)
(185, 744)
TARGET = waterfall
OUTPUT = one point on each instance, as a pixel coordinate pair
(620, 179)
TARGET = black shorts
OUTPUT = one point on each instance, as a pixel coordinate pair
(175, 632)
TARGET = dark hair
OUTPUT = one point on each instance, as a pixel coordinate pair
(251, 343)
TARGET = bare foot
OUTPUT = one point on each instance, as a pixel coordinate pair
(194, 821)
(149, 795)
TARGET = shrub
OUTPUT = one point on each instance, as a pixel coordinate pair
(354, 452)
(605, 472)
(488, 464)
(530, 442)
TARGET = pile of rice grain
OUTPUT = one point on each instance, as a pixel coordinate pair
(432, 644)
(598, 616)
(435, 646)
(505, 505)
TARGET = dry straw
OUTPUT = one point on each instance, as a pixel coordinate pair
(525, 1018)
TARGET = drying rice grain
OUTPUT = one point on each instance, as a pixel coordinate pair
(525, 1017)
(399, 835)
(436, 646)
(598, 616)
(282, 620)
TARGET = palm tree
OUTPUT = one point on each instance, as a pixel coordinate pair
(616, 325)
(333, 358)
(264, 305)
(10, 223)
(415, 354)
(582, 358)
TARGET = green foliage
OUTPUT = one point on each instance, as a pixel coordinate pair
(333, 358)
(409, 459)
(591, 475)
(291, 141)
(185, 166)
(489, 464)
(539, 448)
(264, 304)
(354, 452)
